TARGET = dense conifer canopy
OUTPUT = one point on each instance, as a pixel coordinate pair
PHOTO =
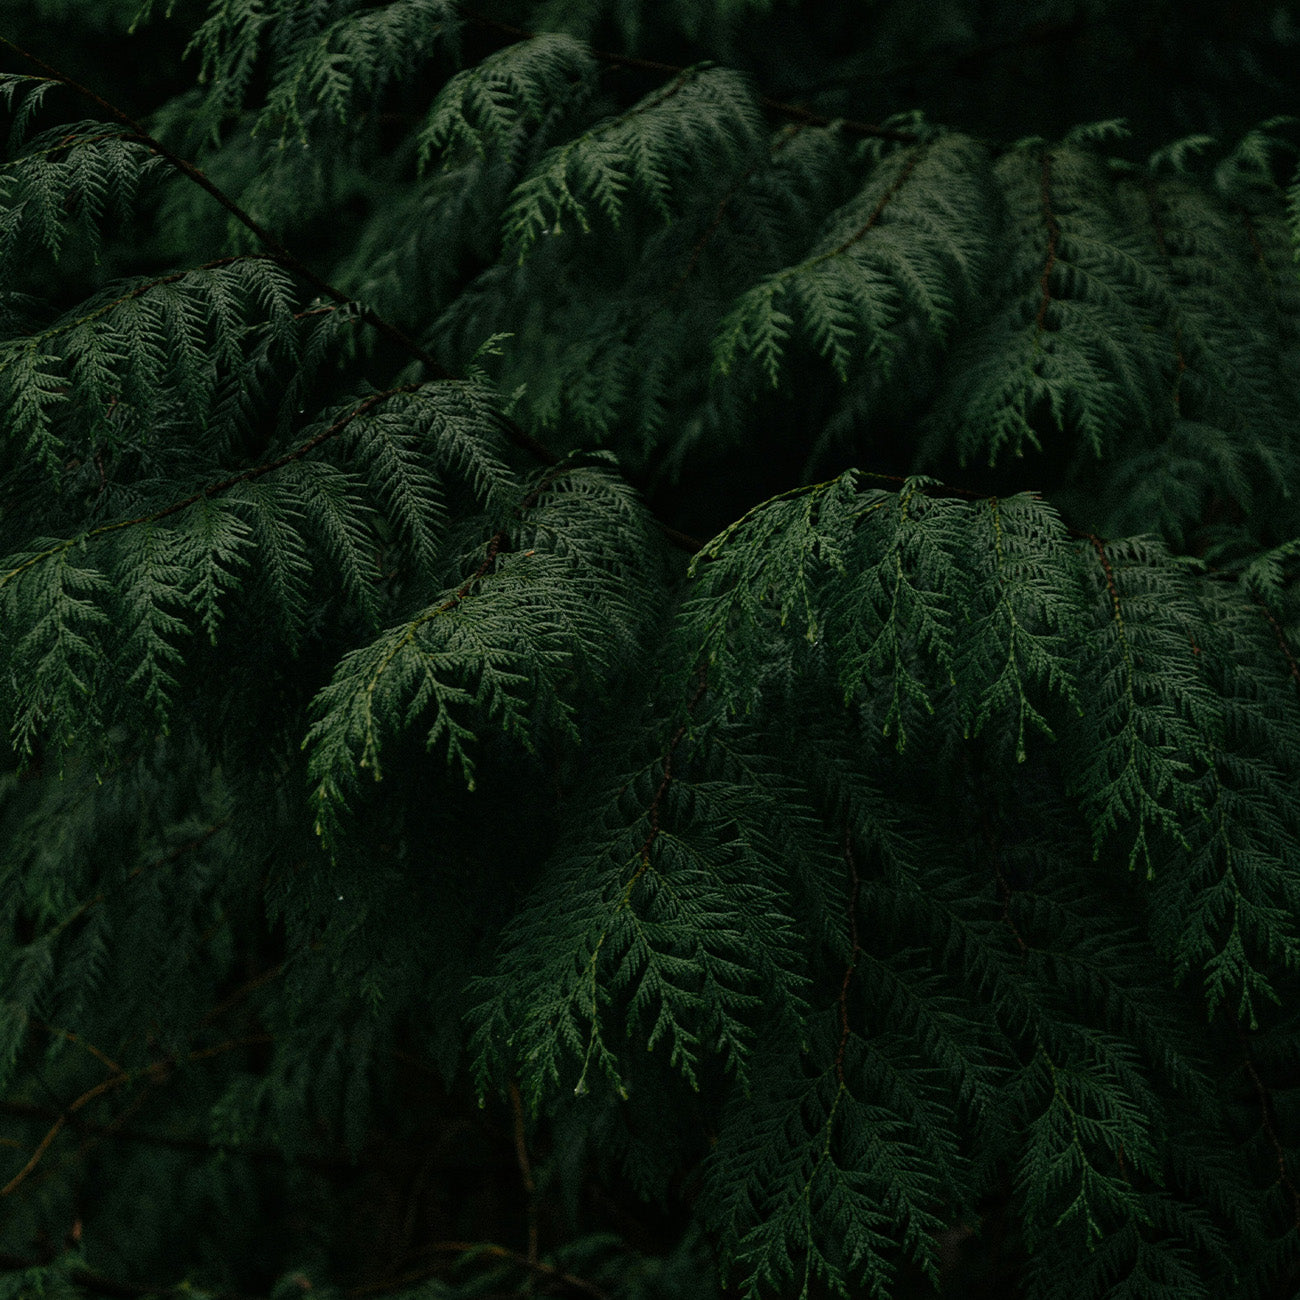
(649, 651)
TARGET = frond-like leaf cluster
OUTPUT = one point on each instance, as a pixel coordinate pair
(701, 124)
(899, 888)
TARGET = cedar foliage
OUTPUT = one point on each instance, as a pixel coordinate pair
(427, 870)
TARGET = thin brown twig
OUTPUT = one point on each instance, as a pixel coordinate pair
(155, 1070)
(1292, 667)
(697, 249)
(114, 1126)
(878, 211)
(525, 1171)
(1266, 1123)
(177, 851)
(489, 1248)
(68, 1035)
(103, 1086)
(1100, 547)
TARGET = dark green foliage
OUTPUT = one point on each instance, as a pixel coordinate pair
(430, 865)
